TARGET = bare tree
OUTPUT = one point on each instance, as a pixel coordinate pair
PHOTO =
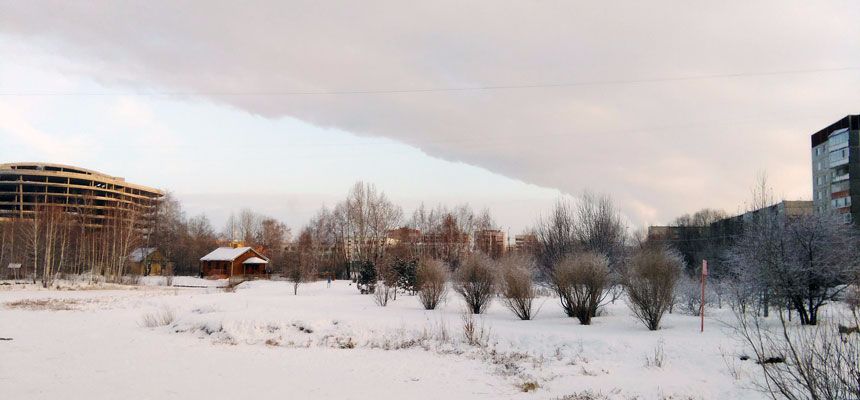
(475, 280)
(300, 263)
(556, 236)
(650, 280)
(600, 228)
(799, 260)
(363, 222)
(804, 362)
(517, 285)
(581, 281)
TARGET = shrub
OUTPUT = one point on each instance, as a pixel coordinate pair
(476, 282)
(383, 294)
(650, 280)
(688, 292)
(432, 280)
(517, 286)
(580, 281)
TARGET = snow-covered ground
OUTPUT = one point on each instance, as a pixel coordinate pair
(261, 341)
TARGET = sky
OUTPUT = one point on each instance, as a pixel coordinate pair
(666, 106)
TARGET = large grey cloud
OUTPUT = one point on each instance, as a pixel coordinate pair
(661, 145)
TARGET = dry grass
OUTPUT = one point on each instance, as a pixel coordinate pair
(657, 358)
(475, 333)
(529, 386)
(163, 317)
(47, 304)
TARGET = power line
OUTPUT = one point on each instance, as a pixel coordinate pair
(545, 85)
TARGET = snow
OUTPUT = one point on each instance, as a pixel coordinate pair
(182, 281)
(333, 343)
(226, 253)
(255, 260)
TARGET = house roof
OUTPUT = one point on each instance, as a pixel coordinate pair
(14, 266)
(229, 254)
(140, 254)
(255, 260)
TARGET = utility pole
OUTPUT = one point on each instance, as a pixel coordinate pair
(702, 303)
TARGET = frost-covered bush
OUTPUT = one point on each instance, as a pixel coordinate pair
(517, 285)
(688, 295)
(650, 280)
(475, 280)
(432, 282)
(581, 281)
(804, 362)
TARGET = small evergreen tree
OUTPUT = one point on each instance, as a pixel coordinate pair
(367, 277)
(407, 276)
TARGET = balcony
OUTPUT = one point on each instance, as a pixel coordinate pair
(840, 178)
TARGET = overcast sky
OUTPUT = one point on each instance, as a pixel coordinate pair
(668, 106)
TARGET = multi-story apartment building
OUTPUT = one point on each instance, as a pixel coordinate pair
(525, 243)
(836, 168)
(492, 242)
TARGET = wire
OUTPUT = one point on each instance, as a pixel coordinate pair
(444, 89)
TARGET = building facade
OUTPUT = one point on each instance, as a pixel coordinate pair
(93, 198)
(836, 168)
(492, 242)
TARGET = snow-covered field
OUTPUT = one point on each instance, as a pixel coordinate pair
(263, 342)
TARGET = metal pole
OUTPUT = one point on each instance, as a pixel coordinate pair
(702, 303)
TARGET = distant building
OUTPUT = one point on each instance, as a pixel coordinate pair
(525, 243)
(405, 235)
(230, 262)
(836, 168)
(148, 261)
(724, 230)
(492, 242)
(695, 243)
(675, 233)
(94, 199)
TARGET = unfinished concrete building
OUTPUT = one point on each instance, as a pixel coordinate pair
(93, 198)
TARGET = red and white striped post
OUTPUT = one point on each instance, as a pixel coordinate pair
(702, 303)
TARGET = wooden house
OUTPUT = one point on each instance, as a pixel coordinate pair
(148, 261)
(229, 262)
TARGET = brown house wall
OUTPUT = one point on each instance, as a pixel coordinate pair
(225, 269)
